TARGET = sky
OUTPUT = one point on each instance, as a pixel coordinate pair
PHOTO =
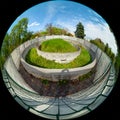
(67, 14)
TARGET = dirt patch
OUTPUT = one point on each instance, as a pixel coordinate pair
(55, 89)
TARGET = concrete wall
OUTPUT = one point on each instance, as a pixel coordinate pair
(15, 76)
(102, 66)
(22, 50)
(56, 74)
(83, 101)
(59, 57)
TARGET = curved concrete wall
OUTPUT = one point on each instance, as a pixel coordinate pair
(59, 57)
(96, 53)
(84, 101)
(56, 74)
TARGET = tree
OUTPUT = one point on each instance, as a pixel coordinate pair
(109, 52)
(106, 48)
(19, 32)
(28, 36)
(117, 62)
(5, 45)
(17, 36)
(112, 57)
(80, 31)
(53, 30)
(49, 29)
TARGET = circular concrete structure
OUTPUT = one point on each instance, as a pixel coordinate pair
(59, 57)
(57, 74)
(70, 106)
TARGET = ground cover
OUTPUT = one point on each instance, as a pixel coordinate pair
(57, 45)
(34, 59)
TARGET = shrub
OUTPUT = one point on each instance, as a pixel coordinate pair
(62, 82)
(46, 82)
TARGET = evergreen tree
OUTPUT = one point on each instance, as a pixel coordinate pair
(80, 31)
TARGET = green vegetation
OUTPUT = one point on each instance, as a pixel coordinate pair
(45, 82)
(17, 36)
(104, 47)
(117, 62)
(80, 31)
(87, 75)
(51, 30)
(98, 43)
(57, 45)
(62, 82)
(33, 58)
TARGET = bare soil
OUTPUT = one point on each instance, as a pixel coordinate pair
(54, 89)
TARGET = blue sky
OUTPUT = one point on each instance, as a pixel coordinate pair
(68, 14)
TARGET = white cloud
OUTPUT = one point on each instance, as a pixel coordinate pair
(93, 31)
(50, 13)
(34, 24)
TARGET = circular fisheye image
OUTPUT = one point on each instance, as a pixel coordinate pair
(59, 60)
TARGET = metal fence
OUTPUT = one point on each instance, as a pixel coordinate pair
(67, 107)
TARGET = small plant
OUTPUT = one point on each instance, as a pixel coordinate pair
(62, 82)
(86, 76)
(46, 82)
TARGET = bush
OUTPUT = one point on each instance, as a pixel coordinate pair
(45, 82)
(62, 82)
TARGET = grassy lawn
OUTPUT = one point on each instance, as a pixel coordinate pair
(57, 45)
(33, 58)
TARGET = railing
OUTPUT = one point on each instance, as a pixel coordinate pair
(72, 105)
(63, 107)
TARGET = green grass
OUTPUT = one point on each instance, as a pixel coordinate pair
(33, 58)
(87, 75)
(57, 45)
